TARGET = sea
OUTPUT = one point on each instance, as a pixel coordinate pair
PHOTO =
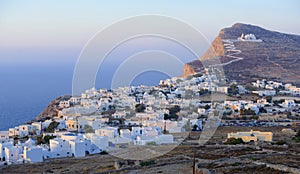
(26, 89)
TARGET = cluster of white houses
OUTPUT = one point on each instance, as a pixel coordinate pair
(270, 87)
(64, 145)
(97, 132)
(67, 144)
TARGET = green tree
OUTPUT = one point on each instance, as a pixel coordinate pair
(269, 99)
(262, 110)
(233, 89)
(52, 126)
(47, 138)
(88, 129)
(206, 107)
(203, 91)
(140, 108)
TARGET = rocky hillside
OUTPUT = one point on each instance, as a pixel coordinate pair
(276, 57)
(52, 109)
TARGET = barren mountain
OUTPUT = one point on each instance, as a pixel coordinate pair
(272, 55)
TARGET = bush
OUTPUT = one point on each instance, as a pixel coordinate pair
(234, 141)
(297, 137)
(103, 153)
(280, 142)
(206, 107)
(262, 110)
(147, 163)
(140, 108)
(233, 90)
(170, 117)
(47, 138)
(203, 91)
(151, 143)
(247, 112)
(88, 129)
(173, 110)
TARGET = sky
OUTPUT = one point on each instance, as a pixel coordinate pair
(55, 31)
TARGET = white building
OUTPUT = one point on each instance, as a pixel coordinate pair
(288, 103)
(100, 141)
(201, 111)
(33, 154)
(77, 148)
(249, 37)
(4, 135)
(75, 100)
(11, 153)
(3, 145)
(64, 104)
(110, 132)
(59, 148)
(159, 139)
(265, 92)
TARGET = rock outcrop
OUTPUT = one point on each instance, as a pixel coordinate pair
(276, 56)
(52, 109)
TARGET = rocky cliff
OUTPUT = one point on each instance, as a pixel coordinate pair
(216, 49)
(52, 109)
(275, 57)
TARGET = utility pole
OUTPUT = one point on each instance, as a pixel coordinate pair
(165, 127)
(194, 163)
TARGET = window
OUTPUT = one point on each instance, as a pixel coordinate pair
(12, 155)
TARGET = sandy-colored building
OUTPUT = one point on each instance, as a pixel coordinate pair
(252, 136)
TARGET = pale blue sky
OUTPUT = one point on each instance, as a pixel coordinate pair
(56, 30)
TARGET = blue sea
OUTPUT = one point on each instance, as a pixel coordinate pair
(27, 89)
(31, 78)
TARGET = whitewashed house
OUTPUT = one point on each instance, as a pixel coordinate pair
(222, 89)
(13, 131)
(33, 154)
(265, 92)
(100, 141)
(110, 132)
(241, 89)
(75, 100)
(77, 148)
(201, 111)
(64, 104)
(289, 103)
(59, 148)
(11, 153)
(4, 135)
(161, 139)
(196, 122)
(3, 145)
(37, 127)
(20, 131)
